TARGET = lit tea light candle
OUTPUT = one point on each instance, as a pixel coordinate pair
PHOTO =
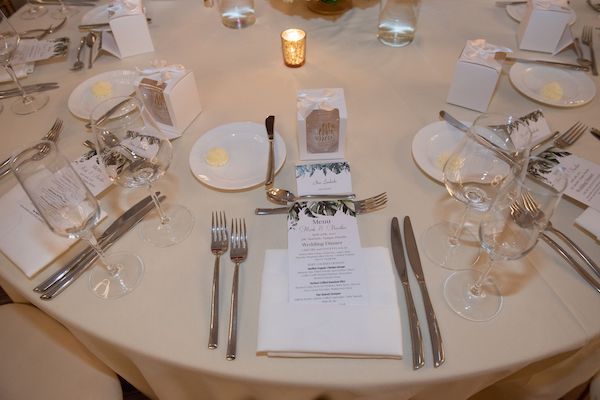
(293, 45)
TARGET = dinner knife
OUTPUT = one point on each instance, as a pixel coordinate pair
(416, 338)
(29, 88)
(110, 112)
(415, 262)
(101, 25)
(269, 122)
(27, 91)
(501, 56)
(88, 262)
(112, 228)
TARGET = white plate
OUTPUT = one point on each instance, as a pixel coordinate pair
(530, 80)
(82, 100)
(432, 146)
(248, 148)
(517, 12)
(97, 15)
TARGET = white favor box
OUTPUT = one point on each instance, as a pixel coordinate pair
(321, 124)
(473, 84)
(178, 103)
(131, 34)
(545, 29)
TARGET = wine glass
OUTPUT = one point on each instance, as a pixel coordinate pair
(69, 209)
(63, 11)
(508, 231)
(9, 40)
(493, 152)
(135, 154)
(33, 11)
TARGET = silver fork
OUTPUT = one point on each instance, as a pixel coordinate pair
(52, 135)
(538, 214)
(218, 246)
(570, 136)
(238, 254)
(360, 206)
(587, 37)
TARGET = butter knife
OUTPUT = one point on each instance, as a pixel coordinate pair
(416, 338)
(88, 262)
(112, 228)
(415, 262)
(269, 122)
(501, 56)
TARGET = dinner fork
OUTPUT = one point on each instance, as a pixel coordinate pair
(218, 246)
(587, 37)
(538, 214)
(238, 254)
(360, 206)
(52, 136)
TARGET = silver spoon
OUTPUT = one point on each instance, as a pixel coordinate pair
(282, 196)
(78, 63)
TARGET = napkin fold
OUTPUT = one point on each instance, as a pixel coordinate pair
(590, 221)
(324, 330)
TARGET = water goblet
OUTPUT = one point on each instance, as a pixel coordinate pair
(69, 209)
(63, 11)
(492, 153)
(508, 231)
(9, 41)
(33, 11)
(135, 154)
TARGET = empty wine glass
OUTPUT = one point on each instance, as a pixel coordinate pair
(63, 11)
(69, 209)
(492, 153)
(135, 154)
(33, 11)
(508, 231)
(9, 41)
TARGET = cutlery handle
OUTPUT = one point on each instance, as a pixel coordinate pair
(232, 333)
(593, 57)
(582, 272)
(577, 249)
(434, 330)
(327, 197)
(70, 277)
(213, 337)
(269, 122)
(270, 211)
(416, 339)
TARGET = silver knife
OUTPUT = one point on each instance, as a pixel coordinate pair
(269, 122)
(101, 25)
(28, 90)
(112, 228)
(88, 262)
(416, 338)
(501, 56)
(33, 87)
(415, 262)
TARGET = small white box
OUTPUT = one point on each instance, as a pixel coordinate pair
(130, 29)
(321, 124)
(475, 77)
(172, 102)
(545, 26)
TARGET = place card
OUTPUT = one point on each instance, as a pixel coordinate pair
(545, 26)
(537, 124)
(129, 34)
(324, 254)
(31, 50)
(583, 175)
(323, 178)
(92, 173)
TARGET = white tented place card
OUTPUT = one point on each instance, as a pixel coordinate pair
(129, 34)
(323, 178)
(324, 254)
(545, 26)
(583, 175)
(537, 124)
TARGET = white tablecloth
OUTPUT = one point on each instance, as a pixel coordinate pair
(157, 336)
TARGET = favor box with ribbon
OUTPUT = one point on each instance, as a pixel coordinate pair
(475, 76)
(130, 34)
(321, 124)
(170, 98)
(545, 26)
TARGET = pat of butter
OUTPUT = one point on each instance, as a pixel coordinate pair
(552, 91)
(217, 157)
(102, 89)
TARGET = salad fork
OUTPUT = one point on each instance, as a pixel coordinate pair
(587, 37)
(218, 246)
(571, 135)
(238, 254)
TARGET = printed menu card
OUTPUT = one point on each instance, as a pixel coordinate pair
(324, 254)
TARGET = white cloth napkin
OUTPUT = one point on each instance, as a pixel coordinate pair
(320, 330)
(590, 221)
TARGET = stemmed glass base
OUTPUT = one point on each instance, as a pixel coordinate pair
(123, 275)
(29, 104)
(64, 11)
(171, 230)
(33, 12)
(474, 303)
(449, 252)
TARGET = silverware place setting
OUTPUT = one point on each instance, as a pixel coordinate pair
(363, 206)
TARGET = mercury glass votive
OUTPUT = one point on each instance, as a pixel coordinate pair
(293, 46)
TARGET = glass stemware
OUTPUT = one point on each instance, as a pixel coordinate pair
(135, 154)
(492, 153)
(33, 11)
(9, 41)
(70, 210)
(508, 231)
(63, 11)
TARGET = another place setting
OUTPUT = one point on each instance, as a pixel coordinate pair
(321, 199)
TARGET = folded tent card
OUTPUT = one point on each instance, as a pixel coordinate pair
(545, 26)
(129, 34)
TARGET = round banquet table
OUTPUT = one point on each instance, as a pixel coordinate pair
(546, 339)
